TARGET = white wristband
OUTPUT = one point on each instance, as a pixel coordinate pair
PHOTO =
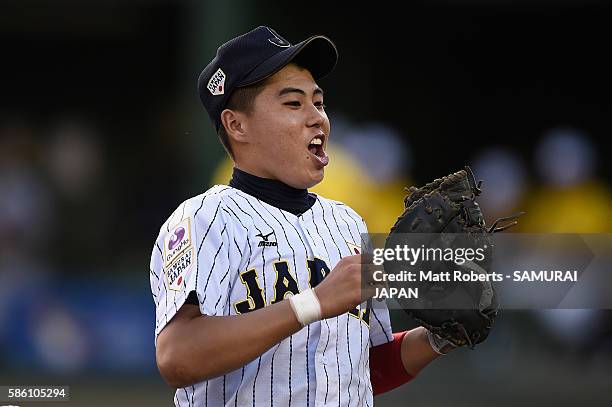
(306, 306)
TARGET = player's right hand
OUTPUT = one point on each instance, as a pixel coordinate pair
(341, 290)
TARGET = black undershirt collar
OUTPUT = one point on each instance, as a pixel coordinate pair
(273, 192)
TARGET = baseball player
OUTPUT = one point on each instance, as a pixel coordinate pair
(257, 285)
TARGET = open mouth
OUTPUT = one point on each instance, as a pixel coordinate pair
(316, 148)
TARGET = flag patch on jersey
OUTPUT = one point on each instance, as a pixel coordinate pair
(177, 241)
(177, 272)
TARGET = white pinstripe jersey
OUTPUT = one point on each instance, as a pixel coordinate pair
(239, 254)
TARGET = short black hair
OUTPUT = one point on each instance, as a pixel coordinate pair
(242, 100)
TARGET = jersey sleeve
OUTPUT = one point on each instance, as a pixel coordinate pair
(191, 255)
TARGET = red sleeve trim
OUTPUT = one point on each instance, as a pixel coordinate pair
(386, 368)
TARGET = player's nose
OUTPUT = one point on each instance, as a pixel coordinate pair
(316, 116)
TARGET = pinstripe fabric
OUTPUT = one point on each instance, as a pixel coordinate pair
(236, 238)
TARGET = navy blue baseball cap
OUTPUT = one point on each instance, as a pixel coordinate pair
(255, 56)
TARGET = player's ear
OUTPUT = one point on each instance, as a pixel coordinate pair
(234, 123)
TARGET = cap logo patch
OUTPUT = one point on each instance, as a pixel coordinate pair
(277, 40)
(216, 84)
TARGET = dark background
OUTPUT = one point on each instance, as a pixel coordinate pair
(102, 135)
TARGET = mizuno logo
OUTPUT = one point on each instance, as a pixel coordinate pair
(265, 238)
(264, 242)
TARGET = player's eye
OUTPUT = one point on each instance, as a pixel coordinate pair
(294, 103)
(320, 105)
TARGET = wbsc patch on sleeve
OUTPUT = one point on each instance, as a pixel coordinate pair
(177, 272)
(177, 241)
(179, 254)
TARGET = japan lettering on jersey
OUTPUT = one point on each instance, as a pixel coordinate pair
(240, 254)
